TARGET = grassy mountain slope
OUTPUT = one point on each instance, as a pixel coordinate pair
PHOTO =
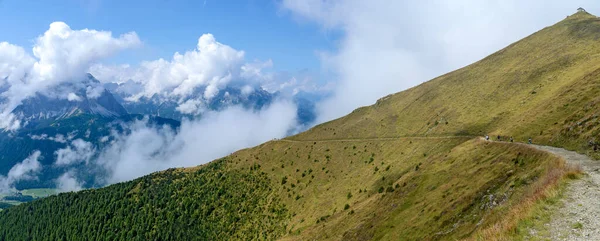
(407, 188)
(537, 87)
(408, 167)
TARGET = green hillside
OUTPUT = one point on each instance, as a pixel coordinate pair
(544, 86)
(410, 167)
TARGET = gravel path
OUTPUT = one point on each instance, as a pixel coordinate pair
(578, 218)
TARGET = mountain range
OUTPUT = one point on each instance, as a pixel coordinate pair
(93, 109)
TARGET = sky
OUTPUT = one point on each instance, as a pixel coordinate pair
(166, 26)
(355, 51)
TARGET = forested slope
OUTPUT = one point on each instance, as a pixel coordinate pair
(206, 204)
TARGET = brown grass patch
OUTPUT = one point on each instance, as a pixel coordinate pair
(546, 187)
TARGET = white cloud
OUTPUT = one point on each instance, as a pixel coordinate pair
(14, 62)
(247, 90)
(64, 53)
(67, 182)
(39, 137)
(25, 170)
(211, 65)
(103, 139)
(73, 97)
(255, 71)
(61, 54)
(389, 46)
(191, 106)
(94, 92)
(78, 151)
(57, 138)
(217, 134)
(114, 73)
(8, 121)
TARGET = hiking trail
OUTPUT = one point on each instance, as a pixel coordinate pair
(578, 214)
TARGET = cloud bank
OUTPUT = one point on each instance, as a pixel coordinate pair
(78, 151)
(146, 149)
(389, 46)
(67, 182)
(25, 170)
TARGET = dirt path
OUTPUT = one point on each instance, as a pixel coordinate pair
(578, 218)
(382, 138)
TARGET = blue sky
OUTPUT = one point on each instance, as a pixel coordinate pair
(259, 27)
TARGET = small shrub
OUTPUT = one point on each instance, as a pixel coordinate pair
(323, 218)
(346, 207)
(380, 190)
(349, 195)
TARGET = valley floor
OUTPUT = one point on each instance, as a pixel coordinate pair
(578, 214)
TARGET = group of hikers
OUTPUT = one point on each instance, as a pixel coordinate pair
(487, 138)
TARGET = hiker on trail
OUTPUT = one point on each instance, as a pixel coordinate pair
(529, 140)
(487, 138)
(511, 139)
